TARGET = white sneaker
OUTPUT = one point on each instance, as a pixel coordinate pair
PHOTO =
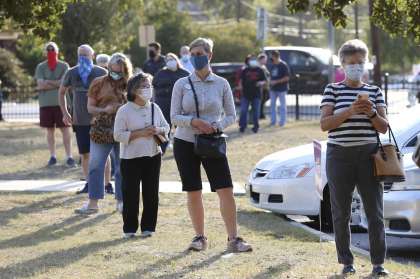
(199, 243)
(120, 206)
(238, 245)
(146, 234)
(86, 210)
(129, 235)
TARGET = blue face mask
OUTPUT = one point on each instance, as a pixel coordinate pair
(115, 75)
(199, 62)
(85, 67)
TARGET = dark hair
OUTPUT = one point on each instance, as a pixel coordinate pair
(134, 83)
(156, 45)
(248, 57)
(275, 53)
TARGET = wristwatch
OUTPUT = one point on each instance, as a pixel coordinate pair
(373, 115)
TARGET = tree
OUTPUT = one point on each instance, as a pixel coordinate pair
(397, 17)
(42, 17)
(107, 25)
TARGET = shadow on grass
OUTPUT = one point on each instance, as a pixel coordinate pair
(271, 225)
(165, 262)
(58, 259)
(40, 173)
(45, 204)
(53, 232)
(273, 271)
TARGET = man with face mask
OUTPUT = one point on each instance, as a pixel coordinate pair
(185, 58)
(253, 79)
(78, 80)
(156, 61)
(48, 76)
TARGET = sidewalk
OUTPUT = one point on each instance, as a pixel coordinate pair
(73, 186)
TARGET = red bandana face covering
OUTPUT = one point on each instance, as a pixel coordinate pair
(52, 60)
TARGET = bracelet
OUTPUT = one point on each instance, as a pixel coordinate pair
(373, 115)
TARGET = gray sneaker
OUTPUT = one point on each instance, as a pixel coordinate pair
(146, 234)
(238, 245)
(199, 243)
(85, 210)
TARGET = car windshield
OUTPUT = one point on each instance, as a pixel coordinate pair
(403, 122)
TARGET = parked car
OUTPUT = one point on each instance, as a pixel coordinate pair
(402, 204)
(309, 67)
(230, 71)
(283, 182)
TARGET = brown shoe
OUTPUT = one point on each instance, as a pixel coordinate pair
(238, 245)
(199, 243)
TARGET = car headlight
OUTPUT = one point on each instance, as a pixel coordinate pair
(403, 187)
(287, 172)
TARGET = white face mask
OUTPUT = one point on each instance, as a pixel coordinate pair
(146, 94)
(253, 63)
(185, 58)
(354, 71)
(172, 65)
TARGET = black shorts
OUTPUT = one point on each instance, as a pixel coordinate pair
(217, 170)
(82, 138)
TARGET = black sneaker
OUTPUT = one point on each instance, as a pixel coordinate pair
(109, 189)
(379, 271)
(84, 190)
(71, 162)
(255, 130)
(348, 270)
(52, 161)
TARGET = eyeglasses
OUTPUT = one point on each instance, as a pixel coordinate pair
(50, 49)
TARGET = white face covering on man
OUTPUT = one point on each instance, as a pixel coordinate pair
(354, 71)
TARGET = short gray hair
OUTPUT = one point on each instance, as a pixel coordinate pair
(206, 43)
(102, 59)
(351, 47)
(86, 47)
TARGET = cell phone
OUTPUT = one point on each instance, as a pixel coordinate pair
(363, 96)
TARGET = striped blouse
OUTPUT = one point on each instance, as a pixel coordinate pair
(358, 129)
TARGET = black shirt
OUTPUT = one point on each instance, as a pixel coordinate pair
(279, 71)
(249, 77)
(152, 67)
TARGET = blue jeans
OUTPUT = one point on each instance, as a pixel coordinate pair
(255, 106)
(98, 155)
(282, 109)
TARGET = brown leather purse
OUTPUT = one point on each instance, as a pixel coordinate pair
(388, 161)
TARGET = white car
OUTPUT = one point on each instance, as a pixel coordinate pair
(402, 204)
(284, 182)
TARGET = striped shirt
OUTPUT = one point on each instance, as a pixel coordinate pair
(358, 129)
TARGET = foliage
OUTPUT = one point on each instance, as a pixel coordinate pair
(397, 17)
(30, 51)
(42, 17)
(14, 78)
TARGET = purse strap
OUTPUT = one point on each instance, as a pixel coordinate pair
(195, 97)
(153, 113)
(391, 136)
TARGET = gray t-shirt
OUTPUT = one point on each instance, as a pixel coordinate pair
(72, 79)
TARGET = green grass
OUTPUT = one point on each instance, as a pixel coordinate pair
(41, 237)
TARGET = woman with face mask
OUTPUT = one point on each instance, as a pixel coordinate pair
(163, 83)
(216, 111)
(353, 113)
(105, 95)
(136, 124)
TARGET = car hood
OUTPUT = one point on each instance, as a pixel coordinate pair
(290, 157)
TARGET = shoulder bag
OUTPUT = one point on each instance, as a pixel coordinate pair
(159, 138)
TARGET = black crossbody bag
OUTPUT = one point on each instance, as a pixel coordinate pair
(159, 139)
(208, 145)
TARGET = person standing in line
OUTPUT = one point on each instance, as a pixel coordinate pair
(217, 111)
(262, 61)
(48, 75)
(136, 124)
(106, 94)
(253, 79)
(354, 113)
(102, 60)
(185, 55)
(1, 102)
(163, 84)
(156, 61)
(279, 85)
(77, 80)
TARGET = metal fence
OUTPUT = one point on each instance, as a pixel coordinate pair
(302, 104)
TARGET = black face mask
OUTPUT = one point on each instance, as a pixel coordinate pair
(152, 54)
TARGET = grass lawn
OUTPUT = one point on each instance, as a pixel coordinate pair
(40, 237)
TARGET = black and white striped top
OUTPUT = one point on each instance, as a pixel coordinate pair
(358, 129)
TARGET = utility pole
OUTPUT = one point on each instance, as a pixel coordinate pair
(356, 20)
(331, 46)
(376, 51)
(238, 10)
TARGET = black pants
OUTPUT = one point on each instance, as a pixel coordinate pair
(145, 170)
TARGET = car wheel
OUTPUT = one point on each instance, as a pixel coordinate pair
(326, 215)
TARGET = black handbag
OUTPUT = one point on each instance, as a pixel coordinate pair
(208, 145)
(159, 139)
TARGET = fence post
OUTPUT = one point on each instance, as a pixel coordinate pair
(297, 105)
(386, 91)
